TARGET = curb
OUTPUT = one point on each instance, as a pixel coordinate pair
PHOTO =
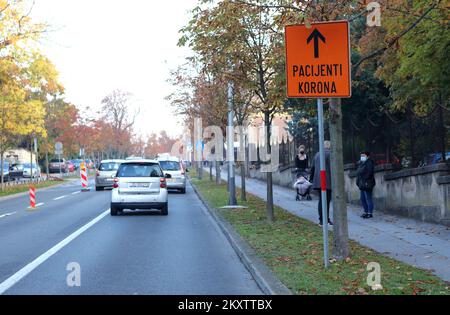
(25, 193)
(263, 276)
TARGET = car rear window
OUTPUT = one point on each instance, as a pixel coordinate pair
(56, 161)
(140, 170)
(110, 166)
(170, 165)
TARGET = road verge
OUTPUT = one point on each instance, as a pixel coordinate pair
(291, 248)
(265, 279)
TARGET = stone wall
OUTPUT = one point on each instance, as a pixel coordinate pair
(421, 193)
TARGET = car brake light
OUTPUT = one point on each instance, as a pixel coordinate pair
(163, 183)
(116, 183)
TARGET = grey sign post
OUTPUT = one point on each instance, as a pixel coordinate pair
(323, 181)
(59, 151)
(230, 149)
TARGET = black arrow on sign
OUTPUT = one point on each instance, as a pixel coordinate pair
(316, 35)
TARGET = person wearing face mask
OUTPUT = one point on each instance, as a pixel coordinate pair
(366, 182)
(301, 161)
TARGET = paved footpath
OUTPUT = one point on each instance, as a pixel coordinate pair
(420, 244)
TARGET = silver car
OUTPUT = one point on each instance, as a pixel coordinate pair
(174, 167)
(27, 169)
(140, 185)
(106, 173)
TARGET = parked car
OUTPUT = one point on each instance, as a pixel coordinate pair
(70, 166)
(55, 165)
(16, 171)
(77, 163)
(106, 173)
(140, 185)
(173, 166)
(27, 172)
(89, 164)
(6, 167)
(435, 158)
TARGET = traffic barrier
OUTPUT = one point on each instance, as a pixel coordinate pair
(84, 177)
(32, 197)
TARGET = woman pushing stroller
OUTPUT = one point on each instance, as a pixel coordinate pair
(302, 184)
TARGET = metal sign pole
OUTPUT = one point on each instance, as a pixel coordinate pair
(230, 148)
(323, 182)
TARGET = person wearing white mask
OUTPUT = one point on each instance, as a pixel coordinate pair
(366, 182)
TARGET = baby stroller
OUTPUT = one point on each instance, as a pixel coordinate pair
(303, 187)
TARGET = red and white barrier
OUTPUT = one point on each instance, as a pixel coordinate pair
(32, 197)
(84, 177)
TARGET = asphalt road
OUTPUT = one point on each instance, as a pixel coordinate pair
(136, 253)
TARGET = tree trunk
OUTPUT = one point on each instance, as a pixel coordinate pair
(442, 133)
(243, 163)
(210, 171)
(340, 240)
(200, 170)
(228, 177)
(269, 203)
(218, 175)
(46, 161)
(411, 140)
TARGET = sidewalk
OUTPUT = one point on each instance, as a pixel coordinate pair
(420, 244)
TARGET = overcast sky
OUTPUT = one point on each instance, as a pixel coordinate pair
(101, 45)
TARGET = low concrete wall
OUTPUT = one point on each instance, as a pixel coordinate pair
(283, 177)
(421, 193)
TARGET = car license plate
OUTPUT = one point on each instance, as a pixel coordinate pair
(139, 185)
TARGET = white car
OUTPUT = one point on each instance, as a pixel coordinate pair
(106, 172)
(27, 170)
(173, 166)
(140, 184)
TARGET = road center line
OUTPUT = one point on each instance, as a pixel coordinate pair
(7, 214)
(11, 281)
(76, 192)
(38, 205)
(59, 198)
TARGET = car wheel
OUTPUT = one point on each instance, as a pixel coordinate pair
(165, 209)
(114, 211)
(183, 191)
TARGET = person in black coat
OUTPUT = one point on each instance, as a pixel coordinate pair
(301, 162)
(365, 181)
(316, 180)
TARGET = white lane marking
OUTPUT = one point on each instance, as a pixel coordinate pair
(38, 205)
(59, 198)
(11, 281)
(7, 214)
(76, 192)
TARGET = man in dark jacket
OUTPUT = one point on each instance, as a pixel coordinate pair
(366, 182)
(316, 180)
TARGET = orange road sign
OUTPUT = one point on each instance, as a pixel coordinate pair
(318, 60)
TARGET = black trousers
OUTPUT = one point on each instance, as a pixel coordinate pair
(319, 207)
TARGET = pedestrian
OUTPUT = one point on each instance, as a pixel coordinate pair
(366, 182)
(316, 180)
(301, 161)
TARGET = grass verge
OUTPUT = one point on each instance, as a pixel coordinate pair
(292, 248)
(25, 187)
